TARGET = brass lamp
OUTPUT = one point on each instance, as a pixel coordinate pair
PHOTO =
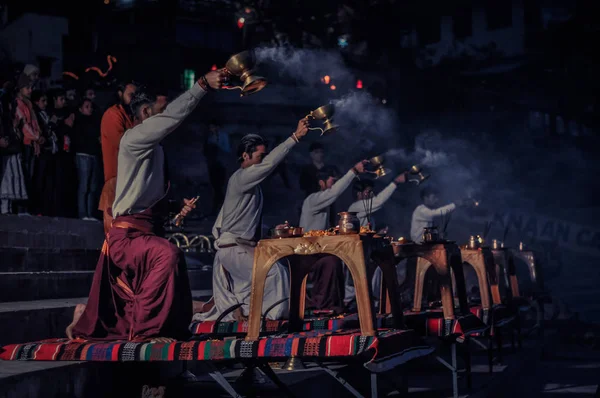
(325, 114)
(242, 66)
(420, 176)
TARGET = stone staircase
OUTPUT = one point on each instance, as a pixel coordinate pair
(47, 272)
(46, 268)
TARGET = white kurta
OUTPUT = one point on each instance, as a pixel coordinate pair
(362, 206)
(239, 221)
(424, 217)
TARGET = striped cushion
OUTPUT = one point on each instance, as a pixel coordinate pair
(432, 323)
(396, 345)
(234, 327)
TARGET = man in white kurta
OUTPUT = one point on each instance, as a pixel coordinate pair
(365, 205)
(238, 228)
(426, 214)
(327, 271)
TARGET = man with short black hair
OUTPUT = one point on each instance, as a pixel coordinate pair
(116, 120)
(238, 228)
(426, 214)
(366, 203)
(327, 271)
(140, 288)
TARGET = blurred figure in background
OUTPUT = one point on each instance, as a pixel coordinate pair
(43, 196)
(116, 120)
(86, 146)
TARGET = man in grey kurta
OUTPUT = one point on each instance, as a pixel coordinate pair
(327, 271)
(238, 228)
(140, 288)
(365, 205)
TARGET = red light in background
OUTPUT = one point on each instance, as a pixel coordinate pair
(359, 84)
(326, 79)
(214, 67)
(332, 87)
(248, 10)
(240, 22)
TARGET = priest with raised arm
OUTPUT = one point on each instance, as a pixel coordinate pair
(140, 289)
(238, 228)
(327, 273)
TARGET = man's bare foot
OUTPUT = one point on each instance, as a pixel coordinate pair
(203, 306)
(164, 340)
(239, 316)
(79, 308)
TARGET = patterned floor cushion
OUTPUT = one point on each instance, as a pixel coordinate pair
(432, 323)
(234, 327)
(389, 347)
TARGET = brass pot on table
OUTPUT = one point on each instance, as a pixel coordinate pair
(286, 231)
(348, 223)
(431, 234)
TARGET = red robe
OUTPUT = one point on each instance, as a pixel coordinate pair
(140, 288)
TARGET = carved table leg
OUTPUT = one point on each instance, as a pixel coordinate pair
(299, 269)
(422, 267)
(454, 259)
(514, 282)
(389, 288)
(478, 265)
(262, 264)
(354, 257)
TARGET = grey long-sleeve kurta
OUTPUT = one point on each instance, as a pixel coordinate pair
(241, 212)
(141, 161)
(361, 206)
(424, 217)
(315, 208)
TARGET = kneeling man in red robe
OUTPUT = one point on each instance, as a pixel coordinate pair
(140, 288)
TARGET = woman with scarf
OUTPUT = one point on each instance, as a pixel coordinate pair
(26, 125)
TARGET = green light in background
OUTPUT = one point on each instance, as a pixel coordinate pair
(189, 78)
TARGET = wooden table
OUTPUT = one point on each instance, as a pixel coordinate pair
(482, 261)
(354, 250)
(444, 256)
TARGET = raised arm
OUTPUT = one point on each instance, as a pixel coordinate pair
(253, 175)
(320, 200)
(427, 213)
(154, 129)
(379, 200)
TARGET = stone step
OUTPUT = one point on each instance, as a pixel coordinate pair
(24, 321)
(21, 259)
(50, 232)
(41, 285)
(30, 379)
